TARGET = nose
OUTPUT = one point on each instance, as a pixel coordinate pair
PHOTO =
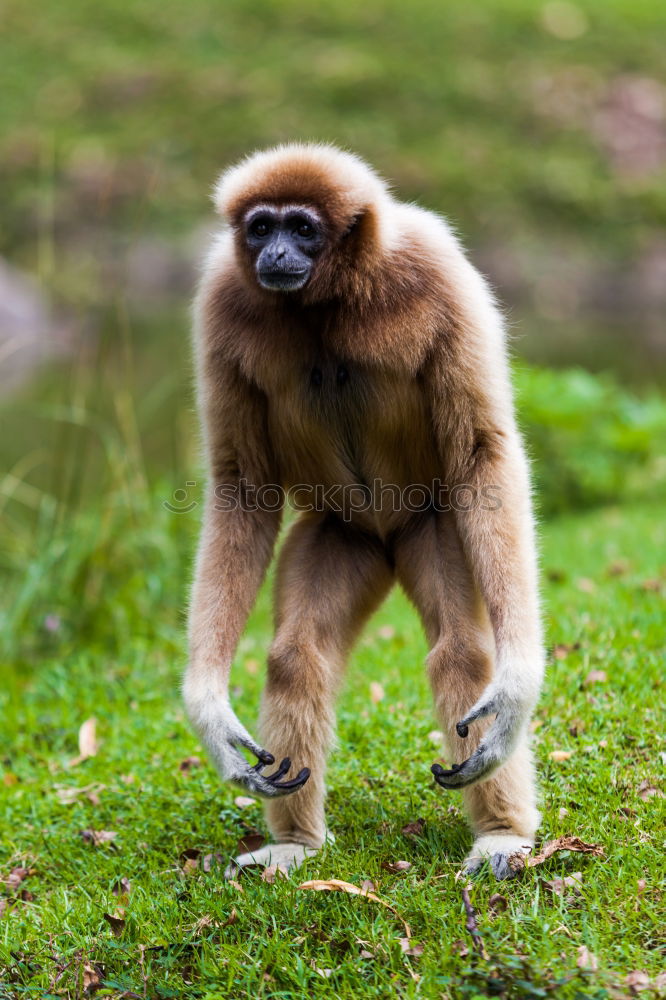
(280, 251)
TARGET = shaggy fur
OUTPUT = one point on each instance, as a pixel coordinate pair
(424, 395)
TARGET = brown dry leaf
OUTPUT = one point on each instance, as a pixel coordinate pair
(250, 842)
(560, 755)
(244, 801)
(9, 779)
(460, 948)
(337, 885)
(497, 904)
(368, 886)
(236, 885)
(16, 876)
(252, 667)
(116, 921)
(189, 764)
(567, 843)
(586, 585)
(386, 632)
(637, 981)
(595, 677)
(67, 795)
(618, 568)
(203, 923)
(586, 959)
(558, 886)
(209, 860)
(190, 859)
(97, 837)
(396, 866)
(271, 872)
(376, 692)
(562, 812)
(415, 951)
(367, 954)
(415, 828)
(91, 977)
(651, 585)
(122, 887)
(646, 790)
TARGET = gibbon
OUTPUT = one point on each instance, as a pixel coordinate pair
(349, 353)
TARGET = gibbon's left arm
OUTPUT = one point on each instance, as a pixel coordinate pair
(481, 448)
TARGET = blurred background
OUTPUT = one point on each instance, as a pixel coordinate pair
(538, 128)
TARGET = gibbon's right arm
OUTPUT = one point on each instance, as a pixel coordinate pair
(234, 552)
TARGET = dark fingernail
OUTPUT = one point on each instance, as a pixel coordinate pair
(265, 757)
(462, 730)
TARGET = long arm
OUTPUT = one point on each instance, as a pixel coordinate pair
(236, 544)
(482, 449)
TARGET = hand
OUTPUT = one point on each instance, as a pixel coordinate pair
(223, 734)
(496, 745)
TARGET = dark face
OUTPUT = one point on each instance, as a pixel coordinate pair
(284, 242)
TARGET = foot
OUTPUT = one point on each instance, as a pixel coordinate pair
(498, 848)
(284, 856)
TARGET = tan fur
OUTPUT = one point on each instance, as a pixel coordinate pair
(394, 300)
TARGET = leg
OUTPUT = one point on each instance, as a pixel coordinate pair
(431, 566)
(330, 579)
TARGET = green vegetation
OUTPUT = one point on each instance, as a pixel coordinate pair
(115, 653)
(504, 114)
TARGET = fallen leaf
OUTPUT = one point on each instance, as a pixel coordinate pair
(562, 649)
(337, 885)
(252, 667)
(97, 837)
(497, 904)
(560, 755)
(595, 677)
(376, 692)
(367, 954)
(88, 745)
(16, 876)
(408, 949)
(586, 585)
(618, 568)
(122, 887)
(69, 794)
(250, 842)
(9, 779)
(271, 872)
(562, 812)
(586, 960)
(91, 977)
(637, 981)
(367, 885)
(385, 631)
(460, 948)
(396, 866)
(244, 802)
(209, 860)
(558, 886)
(646, 790)
(567, 843)
(190, 859)
(324, 973)
(415, 828)
(116, 922)
(236, 885)
(189, 764)
(203, 923)
(436, 736)
(651, 585)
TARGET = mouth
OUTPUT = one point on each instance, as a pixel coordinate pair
(283, 281)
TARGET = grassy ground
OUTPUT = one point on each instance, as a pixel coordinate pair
(181, 931)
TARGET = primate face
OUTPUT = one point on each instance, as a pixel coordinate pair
(284, 242)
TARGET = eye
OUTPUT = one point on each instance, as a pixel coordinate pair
(260, 228)
(306, 230)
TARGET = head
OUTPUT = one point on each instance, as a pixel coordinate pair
(283, 242)
(306, 218)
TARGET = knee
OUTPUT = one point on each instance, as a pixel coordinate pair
(294, 664)
(460, 662)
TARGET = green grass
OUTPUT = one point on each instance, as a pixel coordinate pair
(117, 655)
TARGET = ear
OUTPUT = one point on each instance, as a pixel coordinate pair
(354, 224)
